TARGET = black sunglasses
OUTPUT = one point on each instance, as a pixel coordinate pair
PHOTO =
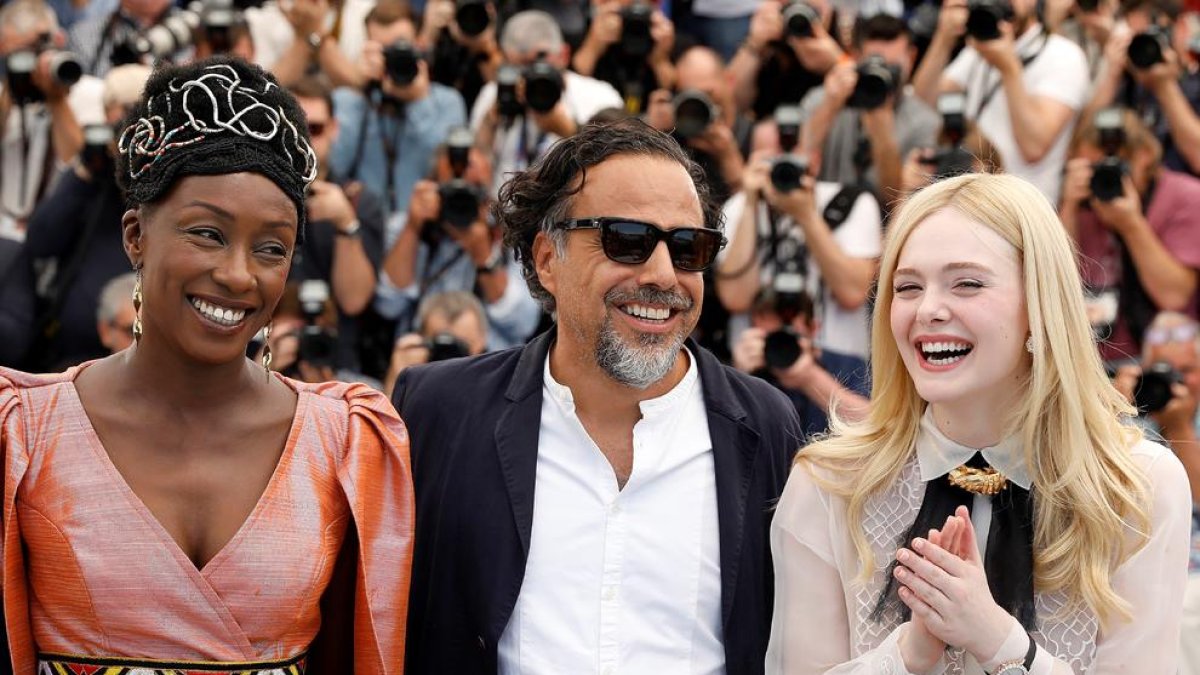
(692, 249)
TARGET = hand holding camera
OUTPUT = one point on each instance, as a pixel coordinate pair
(1152, 61)
(840, 82)
(371, 66)
(766, 26)
(990, 31)
(327, 201)
(40, 73)
(305, 16)
(952, 19)
(605, 30)
(424, 206)
(662, 35)
(1119, 213)
(790, 189)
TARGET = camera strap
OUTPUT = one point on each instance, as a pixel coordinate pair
(23, 208)
(1134, 302)
(1025, 61)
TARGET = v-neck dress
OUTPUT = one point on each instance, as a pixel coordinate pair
(88, 571)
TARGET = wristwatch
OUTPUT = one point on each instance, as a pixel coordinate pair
(352, 230)
(493, 263)
(1018, 667)
(315, 40)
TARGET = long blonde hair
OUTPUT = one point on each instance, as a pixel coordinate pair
(1089, 492)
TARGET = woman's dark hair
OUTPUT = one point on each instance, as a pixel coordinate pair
(215, 116)
(537, 199)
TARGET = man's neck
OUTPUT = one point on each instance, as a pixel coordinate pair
(596, 393)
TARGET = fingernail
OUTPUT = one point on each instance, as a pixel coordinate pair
(902, 555)
(900, 572)
(918, 543)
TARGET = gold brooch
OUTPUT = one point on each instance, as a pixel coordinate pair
(978, 481)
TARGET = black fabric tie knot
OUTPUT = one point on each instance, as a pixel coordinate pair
(1008, 556)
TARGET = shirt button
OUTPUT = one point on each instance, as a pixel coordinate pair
(610, 593)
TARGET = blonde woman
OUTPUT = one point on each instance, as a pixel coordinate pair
(993, 456)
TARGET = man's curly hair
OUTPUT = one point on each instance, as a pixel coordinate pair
(537, 199)
(215, 116)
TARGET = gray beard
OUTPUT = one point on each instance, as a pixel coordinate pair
(640, 365)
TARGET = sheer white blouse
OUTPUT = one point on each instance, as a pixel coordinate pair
(822, 618)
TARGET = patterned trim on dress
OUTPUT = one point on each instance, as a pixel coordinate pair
(65, 664)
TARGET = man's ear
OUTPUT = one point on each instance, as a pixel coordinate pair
(131, 236)
(544, 257)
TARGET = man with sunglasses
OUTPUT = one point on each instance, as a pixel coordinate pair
(598, 501)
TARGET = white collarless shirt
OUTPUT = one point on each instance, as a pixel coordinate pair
(621, 580)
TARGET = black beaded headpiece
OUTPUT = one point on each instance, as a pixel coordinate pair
(216, 116)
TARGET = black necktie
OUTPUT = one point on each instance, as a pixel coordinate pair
(1008, 556)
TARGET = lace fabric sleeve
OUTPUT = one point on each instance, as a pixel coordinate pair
(810, 628)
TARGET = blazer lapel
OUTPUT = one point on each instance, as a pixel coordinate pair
(517, 433)
(735, 448)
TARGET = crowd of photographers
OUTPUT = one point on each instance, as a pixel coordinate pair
(811, 119)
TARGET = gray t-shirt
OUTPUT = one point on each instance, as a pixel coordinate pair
(917, 126)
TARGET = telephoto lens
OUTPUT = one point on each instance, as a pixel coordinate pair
(1107, 179)
(543, 86)
(799, 18)
(1148, 48)
(984, 17)
(694, 112)
(877, 79)
(460, 203)
(400, 60)
(1152, 392)
(472, 17)
(507, 101)
(788, 172)
(782, 349)
(445, 346)
(636, 42)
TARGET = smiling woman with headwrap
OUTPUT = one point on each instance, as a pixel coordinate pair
(176, 506)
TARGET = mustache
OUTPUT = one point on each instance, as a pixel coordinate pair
(650, 295)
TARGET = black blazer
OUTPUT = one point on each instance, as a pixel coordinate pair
(473, 426)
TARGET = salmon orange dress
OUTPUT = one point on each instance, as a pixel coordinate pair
(92, 580)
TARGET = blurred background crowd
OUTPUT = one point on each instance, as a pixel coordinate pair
(811, 118)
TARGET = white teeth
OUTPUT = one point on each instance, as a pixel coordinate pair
(221, 315)
(936, 347)
(652, 313)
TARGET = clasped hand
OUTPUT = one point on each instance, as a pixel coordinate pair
(943, 582)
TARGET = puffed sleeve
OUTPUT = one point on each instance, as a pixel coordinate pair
(376, 477)
(810, 628)
(16, 649)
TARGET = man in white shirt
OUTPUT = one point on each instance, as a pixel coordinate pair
(597, 501)
(1024, 89)
(515, 141)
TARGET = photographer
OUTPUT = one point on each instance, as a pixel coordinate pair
(461, 40)
(1166, 388)
(40, 110)
(1147, 68)
(1136, 226)
(778, 348)
(391, 132)
(111, 40)
(1023, 85)
(78, 228)
(447, 244)
(869, 105)
(17, 303)
(534, 100)
(115, 314)
(791, 233)
(628, 45)
(449, 325)
(790, 47)
(705, 120)
(290, 34)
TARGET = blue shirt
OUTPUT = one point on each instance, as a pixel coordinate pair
(369, 141)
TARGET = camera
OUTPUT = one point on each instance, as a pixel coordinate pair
(1108, 174)
(215, 20)
(219, 21)
(782, 347)
(65, 69)
(445, 346)
(694, 112)
(460, 203)
(788, 172)
(401, 60)
(799, 18)
(543, 86)
(318, 346)
(472, 16)
(1152, 392)
(96, 155)
(636, 42)
(507, 101)
(984, 17)
(877, 79)
(951, 159)
(787, 121)
(1148, 48)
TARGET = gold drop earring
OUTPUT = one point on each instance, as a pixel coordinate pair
(266, 357)
(137, 304)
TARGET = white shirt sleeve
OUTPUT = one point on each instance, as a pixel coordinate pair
(732, 210)
(1061, 74)
(959, 70)
(810, 628)
(861, 236)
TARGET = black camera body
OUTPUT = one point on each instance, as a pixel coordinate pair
(950, 158)
(543, 86)
(787, 122)
(1152, 392)
(460, 203)
(318, 346)
(1108, 174)
(799, 17)
(1148, 48)
(788, 172)
(636, 42)
(445, 346)
(401, 60)
(96, 155)
(694, 112)
(984, 17)
(507, 101)
(472, 17)
(20, 65)
(877, 80)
